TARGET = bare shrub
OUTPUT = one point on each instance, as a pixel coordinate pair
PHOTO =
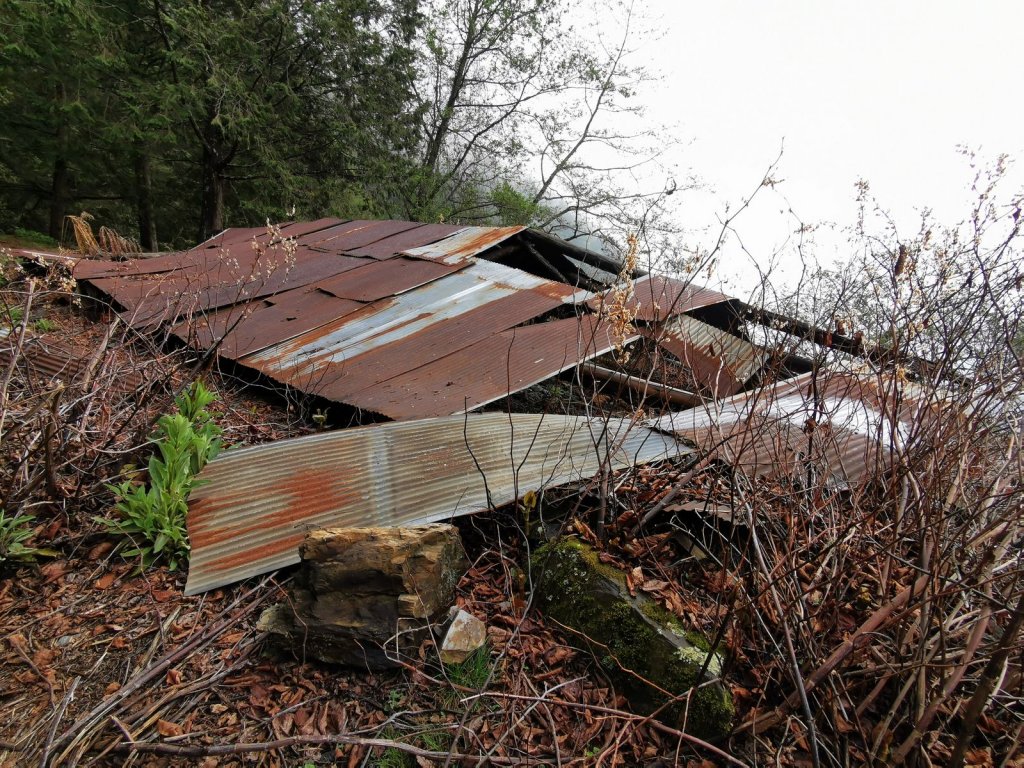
(883, 615)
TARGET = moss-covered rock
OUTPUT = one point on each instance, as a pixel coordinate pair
(633, 634)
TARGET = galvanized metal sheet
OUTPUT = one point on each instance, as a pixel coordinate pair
(839, 423)
(323, 355)
(397, 352)
(245, 328)
(720, 362)
(488, 370)
(255, 504)
(464, 244)
(293, 314)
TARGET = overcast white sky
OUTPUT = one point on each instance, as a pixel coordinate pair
(883, 91)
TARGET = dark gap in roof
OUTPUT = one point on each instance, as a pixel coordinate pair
(303, 404)
(541, 258)
(545, 241)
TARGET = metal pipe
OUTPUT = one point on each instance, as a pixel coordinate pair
(644, 386)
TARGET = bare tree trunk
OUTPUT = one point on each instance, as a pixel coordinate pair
(144, 200)
(211, 215)
(60, 189)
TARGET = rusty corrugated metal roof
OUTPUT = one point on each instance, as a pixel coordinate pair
(399, 318)
(464, 244)
(836, 424)
(721, 362)
(657, 298)
(255, 504)
(40, 359)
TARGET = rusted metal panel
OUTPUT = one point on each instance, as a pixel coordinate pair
(303, 230)
(384, 278)
(720, 362)
(657, 297)
(167, 296)
(229, 245)
(841, 424)
(53, 361)
(357, 234)
(246, 328)
(488, 370)
(399, 350)
(423, 234)
(464, 244)
(296, 314)
(255, 504)
(323, 355)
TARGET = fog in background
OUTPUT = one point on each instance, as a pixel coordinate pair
(880, 91)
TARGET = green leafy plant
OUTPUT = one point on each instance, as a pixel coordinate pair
(14, 532)
(153, 517)
(38, 238)
(11, 314)
(44, 325)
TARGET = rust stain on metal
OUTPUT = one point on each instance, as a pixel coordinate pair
(464, 244)
(379, 279)
(424, 234)
(657, 297)
(256, 503)
(720, 362)
(55, 361)
(344, 312)
(516, 359)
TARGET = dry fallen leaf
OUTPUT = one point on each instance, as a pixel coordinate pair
(100, 550)
(104, 581)
(53, 571)
(166, 728)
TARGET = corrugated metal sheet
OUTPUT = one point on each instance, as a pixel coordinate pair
(394, 317)
(40, 359)
(384, 278)
(422, 234)
(657, 298)
(464, 244)
(841, 425)
(256, 504)
(720, 362)
(516, 359)
(357, 234)
(396, 336)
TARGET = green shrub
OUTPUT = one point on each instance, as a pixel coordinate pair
(44, 325)
(11, 315)
(31, 236)
(14, 532)
(153, 517)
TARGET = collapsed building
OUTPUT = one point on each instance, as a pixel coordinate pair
(426, 325)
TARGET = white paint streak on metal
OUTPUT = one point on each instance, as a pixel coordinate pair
(395, 318)
(463, 244)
